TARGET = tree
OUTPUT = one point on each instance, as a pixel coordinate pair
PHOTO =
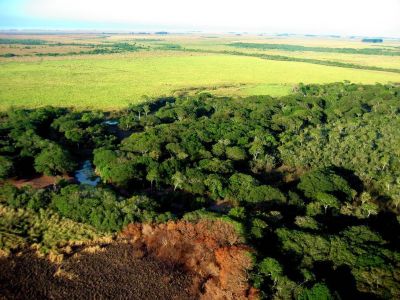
(144, 143)
(153, 175)
(369, 208)
(258, 227)
(235, 153)
(318, 292)
(128, 122)
(325, 181)
(54, 160)
(76, 135)
(177, 150)
(265, 193)
(6, 167)
(146, 109)
(306, 222)
(256, 148)
(178, 180)
(270, 267)
(136, 109)
(216, 165)
(327, 200)
(218, 149)
(195, 181)
(215, 184)
(29, 142)
(240, 185)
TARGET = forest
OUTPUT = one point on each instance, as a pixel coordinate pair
(309, 180)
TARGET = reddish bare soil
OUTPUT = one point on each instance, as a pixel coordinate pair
(39, 182)
(211, 250)
(111, 274)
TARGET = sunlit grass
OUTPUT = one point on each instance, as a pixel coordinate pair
(112, 82)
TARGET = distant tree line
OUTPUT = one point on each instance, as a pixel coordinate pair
(22, 42)
(372, 40)
(287, 47)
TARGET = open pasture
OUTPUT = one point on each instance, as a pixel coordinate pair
(109, 71)
(115, 81)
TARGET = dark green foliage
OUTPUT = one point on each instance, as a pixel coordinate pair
(54, 160)
(110, 48)
(360, 134)
(24, 198)
(318, 292)
(169, 46)
(8, 55)
(358, 247)
(235, 153)
(22, 42)
(265, 193)
(366, 51)
(6, 167)
(270, 267)
(326, 189)
(102, 208)
(325, 181)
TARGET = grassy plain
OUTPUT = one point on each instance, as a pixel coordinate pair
(111, 81)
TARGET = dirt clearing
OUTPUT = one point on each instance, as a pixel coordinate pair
(113, 273)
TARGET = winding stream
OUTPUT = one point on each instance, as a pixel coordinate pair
(86, 175)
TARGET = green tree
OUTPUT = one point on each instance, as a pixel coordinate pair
(6, 167)
(270, 267)
(215, 184)
(265, 193)
(153, 175)
(319, 291)
(54, 160)
(235, 153)
(327, 200)
(178, 179)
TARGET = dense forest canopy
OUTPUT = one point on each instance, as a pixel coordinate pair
(311, 179)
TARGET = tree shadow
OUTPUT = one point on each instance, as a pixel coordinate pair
(340, 280)
(350, 177)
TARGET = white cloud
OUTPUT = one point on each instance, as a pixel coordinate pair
(368, 17)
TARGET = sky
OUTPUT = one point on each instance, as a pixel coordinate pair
(339, 17)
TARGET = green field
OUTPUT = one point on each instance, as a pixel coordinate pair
(110, 82)
(111, 71)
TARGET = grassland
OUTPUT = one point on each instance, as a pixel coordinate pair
(113, 80)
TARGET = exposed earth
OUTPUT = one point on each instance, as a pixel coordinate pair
(114, 273)
(174, 260)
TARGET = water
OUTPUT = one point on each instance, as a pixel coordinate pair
(111, 122)
(86, 174)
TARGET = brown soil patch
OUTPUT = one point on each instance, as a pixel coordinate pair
(113, 273)
(39, 182)
(211, 250)
(176, 260)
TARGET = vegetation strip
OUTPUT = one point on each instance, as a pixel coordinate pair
(296, 59)
(286, 47)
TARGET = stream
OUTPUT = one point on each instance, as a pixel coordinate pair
(86, 175)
